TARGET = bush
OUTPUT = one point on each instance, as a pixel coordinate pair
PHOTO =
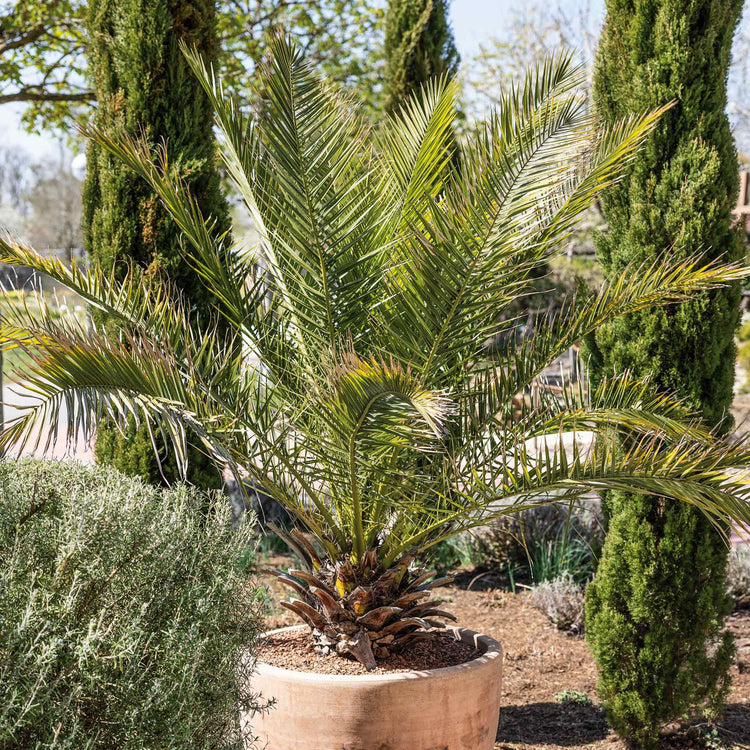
(562, 600)
(562, 555)
(546, 542)
(576, 697)
(738, 576)
(124, 617)
(454, 553)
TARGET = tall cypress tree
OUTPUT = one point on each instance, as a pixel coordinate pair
(145, 88)
(656, 607)
(418, 46)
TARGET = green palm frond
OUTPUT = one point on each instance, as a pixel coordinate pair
(147, 302)
(222, 268)
(365, 366)
(93, 377)
(370, 398)
(688, 470)
(621, 403)
(521, 475)
(418, 150)
(471, 255)
(637, 287)
(376, 408)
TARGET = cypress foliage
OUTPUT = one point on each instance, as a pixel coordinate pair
(655, 609)
(418, 46)
(144, 87)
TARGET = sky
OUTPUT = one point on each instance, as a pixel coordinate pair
(476, 20)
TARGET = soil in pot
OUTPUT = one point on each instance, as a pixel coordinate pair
(294, 650)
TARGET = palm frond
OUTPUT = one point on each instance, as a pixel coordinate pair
(417, 151)
(638, 287)
(149, 303)
(371, 372)
(375, 408)
(532, 172)
(93, 376)
(708, 474)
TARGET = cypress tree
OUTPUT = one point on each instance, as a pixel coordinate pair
(418, 46)
(145, 88)
(655, 610)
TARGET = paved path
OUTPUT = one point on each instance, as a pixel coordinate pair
(740, 538)
(14, 398)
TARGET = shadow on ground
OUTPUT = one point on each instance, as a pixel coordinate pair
(735, 724)
(484, 579)
(572, 725)
(565, 724)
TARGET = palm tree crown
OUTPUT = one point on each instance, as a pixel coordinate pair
(369, 380)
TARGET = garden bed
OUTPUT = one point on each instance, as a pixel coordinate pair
(544, 666)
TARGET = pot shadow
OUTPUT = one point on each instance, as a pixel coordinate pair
(565, 724)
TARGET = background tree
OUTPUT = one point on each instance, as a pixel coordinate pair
(418, 46)
(656, 607)
(42, 60)
(16, 176)
(43, 49)
(343, 37)
(534, 31)
(144, 87)
(55, 200)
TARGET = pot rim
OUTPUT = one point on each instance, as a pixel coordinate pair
(492, 651)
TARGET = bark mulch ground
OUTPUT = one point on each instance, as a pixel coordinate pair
(541, 662)
(295, 651)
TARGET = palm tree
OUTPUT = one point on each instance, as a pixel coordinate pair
(356, 385)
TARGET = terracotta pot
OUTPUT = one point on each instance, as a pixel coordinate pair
(453, 708)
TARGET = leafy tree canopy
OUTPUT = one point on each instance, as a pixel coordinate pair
(43, 49)
(42, 60)
(418, 46)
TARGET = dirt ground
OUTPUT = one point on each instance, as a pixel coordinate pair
(541, 662)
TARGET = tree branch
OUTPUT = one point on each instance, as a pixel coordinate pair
(25, 39)
(28, 95)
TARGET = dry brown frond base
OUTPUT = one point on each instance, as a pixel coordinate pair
(540, 662)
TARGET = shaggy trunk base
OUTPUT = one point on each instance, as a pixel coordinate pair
(362, 609)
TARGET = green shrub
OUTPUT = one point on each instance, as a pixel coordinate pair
(123, 620)
(562, 601)
(655, 611)
(738, 576)
(545, 543)
(454, 553)
(562, 555)
(573, 696)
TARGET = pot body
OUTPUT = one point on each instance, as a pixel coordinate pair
(453, 708)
